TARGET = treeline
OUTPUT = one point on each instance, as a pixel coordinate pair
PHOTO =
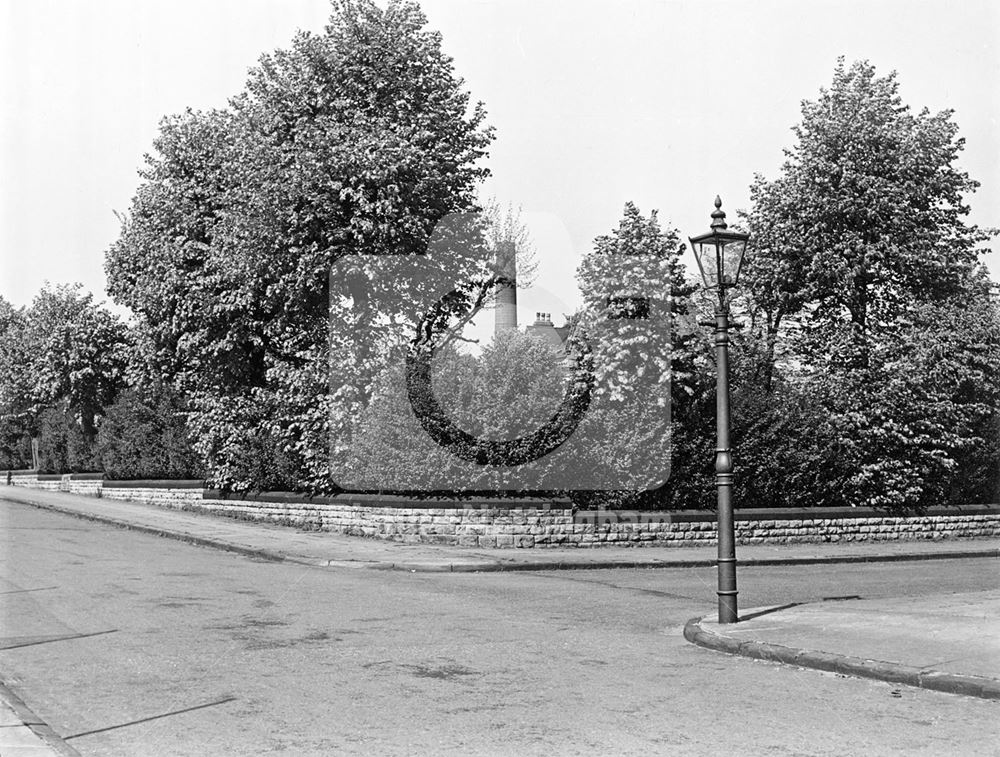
(265, 237)
(68, 380)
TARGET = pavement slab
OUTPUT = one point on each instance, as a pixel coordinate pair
(325, 549)
(948, 642)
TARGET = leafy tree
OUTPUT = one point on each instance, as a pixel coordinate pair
(919, 407)
(349, 146)
(788, 451)
(15, 385)
(507, 238)
(859, 277)
(61, 361)
(868, 212)
(638, 320)
(78, 353)
(634, 267)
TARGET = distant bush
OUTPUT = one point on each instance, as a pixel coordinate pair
(15, 445)
(62, 445)
(144, 436)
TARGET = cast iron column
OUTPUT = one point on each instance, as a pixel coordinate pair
(724, 473)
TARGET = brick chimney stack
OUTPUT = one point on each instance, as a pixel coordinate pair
(506, 309)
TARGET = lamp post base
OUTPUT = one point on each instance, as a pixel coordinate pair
(728, 612)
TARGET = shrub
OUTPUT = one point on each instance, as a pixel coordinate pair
(144, 435)
(15, 444)
(62, 445)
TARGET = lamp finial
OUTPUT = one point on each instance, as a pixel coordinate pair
(718, 215)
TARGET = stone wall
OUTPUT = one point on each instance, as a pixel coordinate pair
(484, 523)
(21, 478)
(761, 526)
(527, 523)
(75, 483)
(174, 494)
(48, 481)
(88, 488)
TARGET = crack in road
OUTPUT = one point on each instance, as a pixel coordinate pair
(151, 717)
(20, 641)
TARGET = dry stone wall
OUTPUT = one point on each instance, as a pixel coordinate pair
(786, 527)
(479, 524)
(529, 523)
(90, 488)
(153, 493)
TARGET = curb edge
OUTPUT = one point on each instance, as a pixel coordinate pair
(38, 726)
(857, 667)
(201, 541)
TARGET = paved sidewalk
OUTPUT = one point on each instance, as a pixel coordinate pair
(948, 642)
(328, 549)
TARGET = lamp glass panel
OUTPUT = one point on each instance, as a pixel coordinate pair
(732, 260)
(705, 254)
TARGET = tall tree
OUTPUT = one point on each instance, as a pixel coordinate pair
(867, 214)
(62, 361)
(862, 245)
(79, 351)
(251, 246)
(15, 389)
(636, 319)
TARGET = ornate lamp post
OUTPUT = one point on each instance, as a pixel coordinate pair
(720, 254)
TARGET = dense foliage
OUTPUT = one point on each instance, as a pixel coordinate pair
(873, 312)
(514, 386)
(249, 245)
(63, 361)
(144, 435)
(286, 257)
(15, 415)
(637, 318)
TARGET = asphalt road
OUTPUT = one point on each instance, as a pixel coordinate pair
(128, 644)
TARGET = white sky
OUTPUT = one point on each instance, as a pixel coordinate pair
(595, 103)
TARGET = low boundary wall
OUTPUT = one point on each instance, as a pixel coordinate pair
(527, 523)
(174, 494)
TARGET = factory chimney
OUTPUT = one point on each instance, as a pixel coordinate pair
(506, 309)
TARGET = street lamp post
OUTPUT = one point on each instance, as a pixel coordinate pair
(720, 255)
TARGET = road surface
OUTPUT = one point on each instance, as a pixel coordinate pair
(129, 644)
